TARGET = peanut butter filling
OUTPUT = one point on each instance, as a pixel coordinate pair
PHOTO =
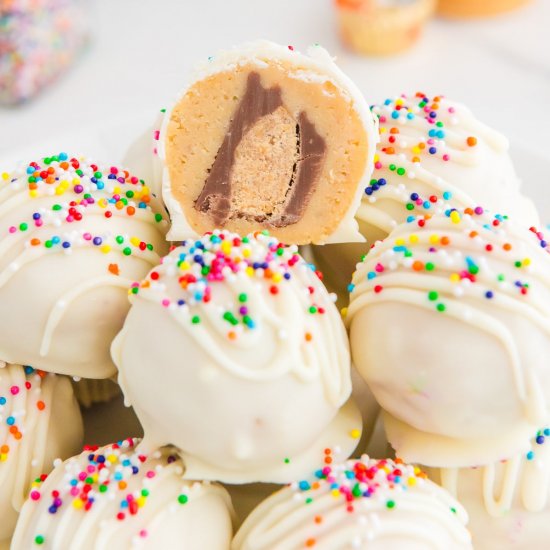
(268, 164)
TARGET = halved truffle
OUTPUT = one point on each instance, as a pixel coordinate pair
(268, 138)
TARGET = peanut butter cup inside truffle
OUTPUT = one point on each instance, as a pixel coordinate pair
(263, 143)
(267, 138)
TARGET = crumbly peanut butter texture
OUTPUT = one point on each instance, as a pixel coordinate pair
(272, 142)
(265, 147)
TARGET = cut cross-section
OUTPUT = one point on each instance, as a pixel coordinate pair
(271, 139)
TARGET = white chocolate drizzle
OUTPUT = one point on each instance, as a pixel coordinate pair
(466, 281)
(357, 504)
(519, 482)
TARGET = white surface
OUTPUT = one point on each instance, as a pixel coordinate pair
(143, 50)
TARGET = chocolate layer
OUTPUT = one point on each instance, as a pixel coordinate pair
(257, 102)
(312, 154)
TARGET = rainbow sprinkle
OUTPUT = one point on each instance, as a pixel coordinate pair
(217, 257)
(401, 153)
(39, 41)
(488, 235)
(432, 111)
(15, 422)
(358, 479)
(354, 481)
(77, 189)
(541, 438)
(105, 473)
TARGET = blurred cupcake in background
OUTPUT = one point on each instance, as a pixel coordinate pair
(39, 40)
(477, 8)
(382, 27)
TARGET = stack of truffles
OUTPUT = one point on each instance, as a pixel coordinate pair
(194, 296)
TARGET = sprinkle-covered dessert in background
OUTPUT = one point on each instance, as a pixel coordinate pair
(465, 9)
(118, 497)
(39, 422)
(268, 138)
(433, 154)
(39, 40)
(382, 27)
(508, 501)
(450, 326)
(238, 320)
(73, 236)
(365, 503)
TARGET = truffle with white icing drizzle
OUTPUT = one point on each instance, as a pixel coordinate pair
(118, 497)
(450, 327)
(73, 236)
(507, 501)
(434, 147)
(363, 504)
(433, 154)
(245, 325)
(39, 422)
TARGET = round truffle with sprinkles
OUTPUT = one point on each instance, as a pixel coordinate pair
(245, 325)
(433, 151)
(118, 497)
(433, 154)
(365, 503)
(508, 501)
(73, 235)
(40, 422)
(450, 327)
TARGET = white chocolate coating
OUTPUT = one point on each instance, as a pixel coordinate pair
(450, 327)
(331, 511)
(258, 339)
(316, 66)
(462, 157)
(117, 497)
(507, 501)
(39, 422)
(73, 236)
(456, 175)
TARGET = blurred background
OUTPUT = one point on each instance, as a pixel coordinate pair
(140, 53)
